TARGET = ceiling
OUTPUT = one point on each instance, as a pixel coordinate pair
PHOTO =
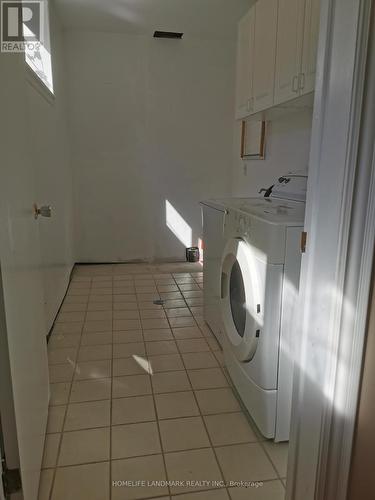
(196, 18)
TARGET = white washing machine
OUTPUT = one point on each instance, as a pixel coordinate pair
(259, 289)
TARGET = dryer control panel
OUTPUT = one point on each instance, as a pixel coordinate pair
(268, 239)
(237, 225)
(243, 224)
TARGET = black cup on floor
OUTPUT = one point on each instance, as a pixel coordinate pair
(192, 254)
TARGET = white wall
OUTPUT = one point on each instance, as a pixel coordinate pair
(150, 121)
(53, 176)
(287, 148)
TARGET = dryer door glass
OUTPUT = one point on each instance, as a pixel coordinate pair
(237, 299)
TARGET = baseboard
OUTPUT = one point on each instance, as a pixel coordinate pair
(164, 260)
(62, 301)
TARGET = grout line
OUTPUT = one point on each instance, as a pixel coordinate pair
(159, 434)
(262, 444)
(157, 415)
(110, 417)
(157, 420)
(205, 427)
(150, 455)
(135, 422)
(64, 420)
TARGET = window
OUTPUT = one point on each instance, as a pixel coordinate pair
(38, 56)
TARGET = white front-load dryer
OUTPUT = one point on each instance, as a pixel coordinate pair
(259, 290)
(251, 307)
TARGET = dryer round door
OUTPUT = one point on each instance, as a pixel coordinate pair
(242, 286)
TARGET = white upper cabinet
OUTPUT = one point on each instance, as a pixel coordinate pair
(290, 29)
(276, 57)
(264, 53)
(310, 45)
(245, 53)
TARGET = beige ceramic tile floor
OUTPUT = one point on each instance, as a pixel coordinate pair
(139, 394)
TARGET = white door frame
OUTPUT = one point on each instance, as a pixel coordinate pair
(336, 269)
(2, 497)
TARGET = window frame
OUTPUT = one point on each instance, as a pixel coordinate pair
(32, 77)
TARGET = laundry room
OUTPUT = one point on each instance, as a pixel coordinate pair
(184, 259)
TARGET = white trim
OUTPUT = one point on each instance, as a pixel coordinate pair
(2, 494)
(336, 269)
(359, 263)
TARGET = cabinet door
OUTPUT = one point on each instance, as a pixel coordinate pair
(310, 45)
(264, 53)
(244, 64)
(288, 49)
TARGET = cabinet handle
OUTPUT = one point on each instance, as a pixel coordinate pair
(295, 83)
(302, 81)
